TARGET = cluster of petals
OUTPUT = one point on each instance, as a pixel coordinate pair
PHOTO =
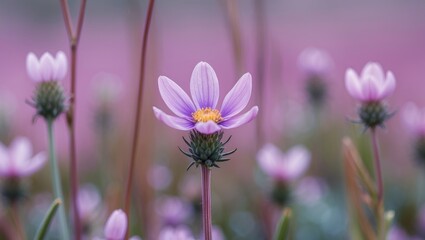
(283, 166)
(177, 233)
(414, 119)
(17, 160)
(315, 61)
(204, 88)
(372, 85)
(47, 68)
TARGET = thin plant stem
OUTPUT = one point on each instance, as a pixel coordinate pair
(57, 186)
(379, 207)
(74, 38)
(206, 202)
(17, 220)
(139, 105)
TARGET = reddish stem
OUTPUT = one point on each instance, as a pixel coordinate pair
(138, 113)
(206, 202)
(74, 38)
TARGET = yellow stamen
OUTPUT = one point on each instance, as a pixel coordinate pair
(207, 114)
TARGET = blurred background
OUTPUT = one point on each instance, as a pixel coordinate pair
(262, 37)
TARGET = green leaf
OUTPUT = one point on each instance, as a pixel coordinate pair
(282, 230)
(42, 230)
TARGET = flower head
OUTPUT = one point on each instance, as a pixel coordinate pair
(178, 233)
(47, 68)
(283, 167)
(116, 226)
(315, 61)
(202, 113)
(372, 85)
(17, 160)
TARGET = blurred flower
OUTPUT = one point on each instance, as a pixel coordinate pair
(283, 167)
(315, 61)
(17, 161)
(178, 233)
(89, 202)
(201, 113)
(173, 210)
(47, 68)
(371, 88)
(372, 85)
(414, 119)
(107, 87)
(116, 226)
(397, 233)
(217, 234)
(310, 190)
(159, 177)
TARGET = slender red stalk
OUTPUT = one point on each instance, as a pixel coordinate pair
(138, 111)
(377, 165)
(74, 38)
(206, 202)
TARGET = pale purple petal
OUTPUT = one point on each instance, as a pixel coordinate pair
(175, 98)
(240, 120)
(32, 165)
(207, 127)
(204, 86)
(373, 69)
(33, 67)
(297, 162)
(237, 99)
(174, 122)
(268, 158)
(47, 67)
(116, 226)
(388, 86)
(20, 151)
(61, 66)
(4, 161)
(352, 84)
(370, 89)
(411, 117)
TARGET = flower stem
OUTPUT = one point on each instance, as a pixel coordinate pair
(206, 202)
(379, 207)
(139, 105)
(74, 38)
(57, 186)
(17, 221)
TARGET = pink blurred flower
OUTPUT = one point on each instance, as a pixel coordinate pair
(89, 202)
(202, 113)
(372, 85)
(397, 233)
(310, 190)
(116, 226)
(47, 68)
(281, 166)
(414, 119)
(315, 61)
(217, 234)
(17, 161)
(173, 210)
(179, 233)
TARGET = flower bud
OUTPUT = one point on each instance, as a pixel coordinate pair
(49, 100)
(373, 114)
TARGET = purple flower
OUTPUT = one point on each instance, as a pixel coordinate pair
(17, 161)
(173, 210)
(283, 167)
(47, 68)
(372, 85)
(89, 202)
(116, 226)
(202, 113)
(414, 119)
(315, 61)
(179, 233)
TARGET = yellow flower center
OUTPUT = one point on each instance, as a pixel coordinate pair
(207, 114)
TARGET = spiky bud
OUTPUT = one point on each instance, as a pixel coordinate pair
(206, 149)
(49, 100)
(373, 114)
(281, 194)
(420, 150)
(12, 190)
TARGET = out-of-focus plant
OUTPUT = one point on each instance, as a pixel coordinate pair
(50, 101)
(282, 228)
